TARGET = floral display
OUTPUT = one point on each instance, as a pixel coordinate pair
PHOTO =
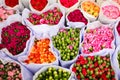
(111, 11)
(77, 16)
(68, 3)
(40, 53)
(118, 27)
(12, 38)
(11, 3)
(97, 39)
(54, 74)
(39, 4)
(5, 13)
(90, 8)
(119, 58)
(59, 40)
(10, 71)
(93, 68)
(50, 17)
(67, 42)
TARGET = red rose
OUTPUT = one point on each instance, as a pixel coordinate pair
(84, 72)
(74, 69)
(11, 3)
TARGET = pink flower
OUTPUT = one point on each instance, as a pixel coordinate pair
(97, 39)
(70, 47)
(10, 12)
(20, 75)
(10, 73)
(1, 66)
(42, 21)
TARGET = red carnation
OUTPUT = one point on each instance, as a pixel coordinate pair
(84, 72)
(74, 69)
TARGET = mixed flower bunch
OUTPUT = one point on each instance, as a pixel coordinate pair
(10, 71)
(91, 8)
(97, 39)
(51, 17)
(93, 68)
(40, 52)
(14, 37)
(54, 74)
(67, 42)
(111, 11)
(77, 16)
(5, 13)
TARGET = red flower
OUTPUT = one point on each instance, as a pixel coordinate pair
(12, 38)
(11, 3)
(77, 16)
(68, 3)
(96, 64)
(84, 72)
(74, 69)
(39, 4)
(93, 75)
(78, 76)
(113, 73)
(1, 46)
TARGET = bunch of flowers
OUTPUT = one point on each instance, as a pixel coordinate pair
(14, 37)
(11, 3)
(91, 8)
(10, 71)
(111, 11)
(93, 68)
(54, 74)
(118, 28)
(50, 17)
(77, 16)
(4, 13)
(97, 39)
(39, 4)
(67, 42)
(68, 3)
(40, 52)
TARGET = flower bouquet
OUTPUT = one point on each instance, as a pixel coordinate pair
(13, 4)
(109, 12)
(14, 37)
(12, 70)
(76, 18)
(54, 73)
(40, 54)
(51, 19)
(5, 13)
(69, 4)
(38, 6)
(98, 38)
(94, 67)
(90, 9)
(66, 43)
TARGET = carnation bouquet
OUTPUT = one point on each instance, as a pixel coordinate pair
(14, 37)
(12, 70)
